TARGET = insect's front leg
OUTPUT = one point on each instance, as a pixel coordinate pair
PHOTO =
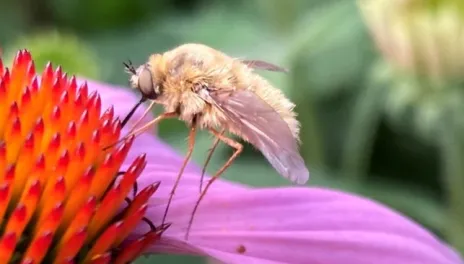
(191, 145)
(144, 127)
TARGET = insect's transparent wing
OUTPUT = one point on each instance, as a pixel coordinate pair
(263, 65)
(264, 128)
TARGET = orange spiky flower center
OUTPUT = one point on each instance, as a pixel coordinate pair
(62, 197)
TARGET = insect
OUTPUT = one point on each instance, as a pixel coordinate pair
(210, 90)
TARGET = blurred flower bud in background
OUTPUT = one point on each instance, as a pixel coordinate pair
(422, 44)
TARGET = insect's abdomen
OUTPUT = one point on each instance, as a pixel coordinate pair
(271, 95)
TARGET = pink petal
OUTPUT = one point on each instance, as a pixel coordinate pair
(297, 225)
(237, 224)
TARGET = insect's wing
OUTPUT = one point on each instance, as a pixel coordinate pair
(264, 128)
(263, 65)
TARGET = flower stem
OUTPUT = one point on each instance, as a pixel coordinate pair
(312, 148)
(453, 165)
(360, 135)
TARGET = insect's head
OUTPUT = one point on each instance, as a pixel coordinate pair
(142, 79)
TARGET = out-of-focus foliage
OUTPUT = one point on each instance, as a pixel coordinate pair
(358, 130)
(59, 48)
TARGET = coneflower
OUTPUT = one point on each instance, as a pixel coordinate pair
(62, 198)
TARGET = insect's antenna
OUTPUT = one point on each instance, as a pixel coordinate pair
(129, 67)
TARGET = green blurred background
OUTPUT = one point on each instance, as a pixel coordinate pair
(366, 127)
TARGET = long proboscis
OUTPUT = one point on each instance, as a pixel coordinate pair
(126, 119)
(132, 112)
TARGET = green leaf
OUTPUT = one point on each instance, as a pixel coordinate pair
(365, 119)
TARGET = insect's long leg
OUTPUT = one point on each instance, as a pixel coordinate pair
(142, 117)
(144, 127)
(208, 158)
(238, 149)
(191, 144)
(132, 111)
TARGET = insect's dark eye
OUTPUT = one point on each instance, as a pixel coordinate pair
(146, 85)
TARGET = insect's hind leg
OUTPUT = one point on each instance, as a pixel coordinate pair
(208, 158)
(238, 149)
(191, 144)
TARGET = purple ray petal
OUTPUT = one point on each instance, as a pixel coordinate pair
(237, 224)
(297, 225)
